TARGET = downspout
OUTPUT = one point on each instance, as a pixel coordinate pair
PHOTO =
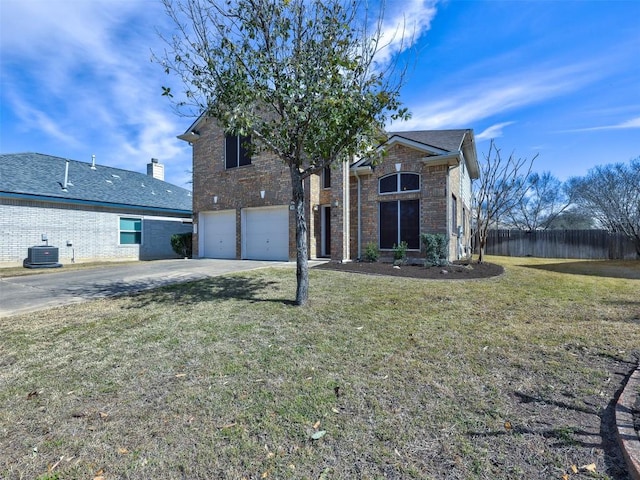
(447, 192)
(355, 171)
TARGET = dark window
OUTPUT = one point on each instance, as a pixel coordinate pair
(389, 184)
(237, 151)
(400, 222)
(409, 182)
(326, 177)
(400, 182)
(454, 215)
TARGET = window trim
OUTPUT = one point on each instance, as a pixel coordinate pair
(399, 223)
(121, 231)
(398, 189)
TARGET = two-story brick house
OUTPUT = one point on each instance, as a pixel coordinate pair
(242, 204)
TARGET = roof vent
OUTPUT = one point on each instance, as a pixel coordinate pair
(66, 176)
(93, 162)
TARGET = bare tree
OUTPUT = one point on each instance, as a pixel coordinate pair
(299, 76)
(544, 199)
(612, 194)
(500, 189)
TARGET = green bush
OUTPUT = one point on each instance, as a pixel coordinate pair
(435, 247)
(182, 244)
(371, 253)
(400, 253)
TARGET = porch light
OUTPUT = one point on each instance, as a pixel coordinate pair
(262, 192)
(398, 167)
(215, 199)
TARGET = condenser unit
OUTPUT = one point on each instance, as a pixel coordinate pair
(42, 257)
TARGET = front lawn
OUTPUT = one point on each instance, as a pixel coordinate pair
(512, 377)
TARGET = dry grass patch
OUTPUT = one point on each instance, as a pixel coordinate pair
(512, 377)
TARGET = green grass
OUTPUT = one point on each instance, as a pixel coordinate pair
(224, 378)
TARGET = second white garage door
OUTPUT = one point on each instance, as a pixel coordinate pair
(265, 233)
(217, 234)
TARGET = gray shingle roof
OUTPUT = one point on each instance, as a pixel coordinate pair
(42, 176)
(449, 140)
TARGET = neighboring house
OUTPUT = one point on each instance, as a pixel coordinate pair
(242, 204)
(88, 211)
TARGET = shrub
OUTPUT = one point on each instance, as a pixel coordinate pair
(371, 253)
(400, 253)
(435, 246)
(182, 244)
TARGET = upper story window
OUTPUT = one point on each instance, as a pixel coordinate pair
(237, 152)
(326, 177)
(399, 183)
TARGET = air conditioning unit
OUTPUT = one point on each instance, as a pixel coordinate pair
(42, 257)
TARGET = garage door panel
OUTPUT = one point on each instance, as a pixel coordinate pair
(266, 233)
(218, 234)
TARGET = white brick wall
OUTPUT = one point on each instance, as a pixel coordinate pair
(93, 232)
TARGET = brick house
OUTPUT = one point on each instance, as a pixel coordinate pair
(90, 212)
(241, 204)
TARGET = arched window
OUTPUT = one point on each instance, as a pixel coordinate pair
(399, 183)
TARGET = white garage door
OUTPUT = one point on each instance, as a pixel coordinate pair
(265, 233)
(217, 237)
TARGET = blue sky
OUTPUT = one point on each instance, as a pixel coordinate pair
(556, 78)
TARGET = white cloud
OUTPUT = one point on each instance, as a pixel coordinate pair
(403, 25)
(485, 97)
(625, 125)
(494, 131)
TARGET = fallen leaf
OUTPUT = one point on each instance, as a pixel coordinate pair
(99, 477)
(507, 425)
(589, 468)
(565, 476)
(335, 410)
(574, 469)
(123, 451)
(316, 425)
(100, 472)
(180, 375)
(318, 435)
(103, 415)
(265, 474)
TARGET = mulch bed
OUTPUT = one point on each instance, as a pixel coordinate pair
(454, 271)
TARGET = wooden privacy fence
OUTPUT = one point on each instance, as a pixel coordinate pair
(560, 244)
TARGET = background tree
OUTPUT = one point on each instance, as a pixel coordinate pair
(299, 76)
(612, 194)
(501, 187)
(544, 199)
(573, 218)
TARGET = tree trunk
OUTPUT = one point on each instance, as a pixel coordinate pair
(302, 257)
(482, 241)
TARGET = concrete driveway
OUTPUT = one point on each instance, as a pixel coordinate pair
(59, 287)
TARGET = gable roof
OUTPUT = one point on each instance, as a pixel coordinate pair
(438, 145)
(41, 177)
(448, 140)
